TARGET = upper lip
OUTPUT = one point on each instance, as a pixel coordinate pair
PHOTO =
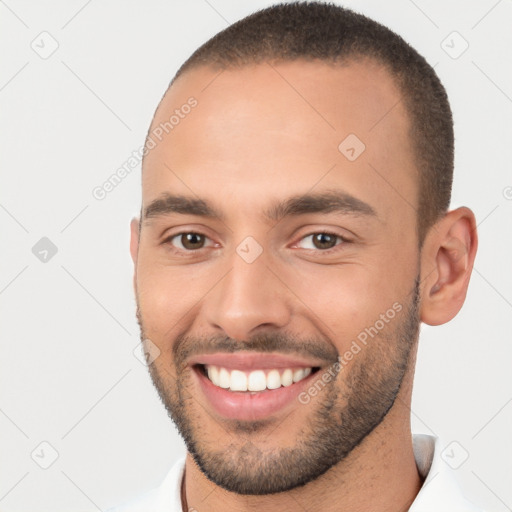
(251, 361)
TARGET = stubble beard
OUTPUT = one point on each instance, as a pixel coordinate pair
(347, 410)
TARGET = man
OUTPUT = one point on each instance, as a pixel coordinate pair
(294, 232)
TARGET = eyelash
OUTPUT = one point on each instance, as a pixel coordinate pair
(342, 239)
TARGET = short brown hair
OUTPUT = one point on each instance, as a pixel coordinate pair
(314, 30)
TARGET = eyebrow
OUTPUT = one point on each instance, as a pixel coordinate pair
(332, 201)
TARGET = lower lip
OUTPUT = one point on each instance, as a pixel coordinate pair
(250, 405)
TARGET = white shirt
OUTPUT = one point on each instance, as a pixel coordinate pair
(439, 493)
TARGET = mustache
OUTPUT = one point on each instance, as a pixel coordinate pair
(185, 346)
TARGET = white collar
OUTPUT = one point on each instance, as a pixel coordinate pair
(439, 492)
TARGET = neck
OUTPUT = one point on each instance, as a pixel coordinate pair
(379, 474)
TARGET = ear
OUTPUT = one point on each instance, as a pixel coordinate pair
(447, 259)
(134, 245)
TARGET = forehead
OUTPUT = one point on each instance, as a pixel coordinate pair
(280, 129)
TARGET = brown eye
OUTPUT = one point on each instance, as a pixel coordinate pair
(323, 241)
(191, 241)
(187, 241)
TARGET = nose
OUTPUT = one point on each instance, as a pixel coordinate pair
(247, 299)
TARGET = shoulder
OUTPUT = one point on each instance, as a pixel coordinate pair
(164, 498)
(440, 490)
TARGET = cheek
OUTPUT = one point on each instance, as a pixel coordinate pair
(343, 301)
(170, 295)
(159, 295)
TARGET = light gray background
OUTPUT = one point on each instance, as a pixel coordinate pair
(68, 373)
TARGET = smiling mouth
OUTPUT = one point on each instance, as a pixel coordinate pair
(255, 380)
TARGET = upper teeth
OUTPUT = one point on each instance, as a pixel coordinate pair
(257, 380)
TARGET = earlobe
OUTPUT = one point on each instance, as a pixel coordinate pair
(447, 261)
(134, 247)
(134, 239)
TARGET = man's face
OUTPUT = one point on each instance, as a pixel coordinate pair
(316, 299)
